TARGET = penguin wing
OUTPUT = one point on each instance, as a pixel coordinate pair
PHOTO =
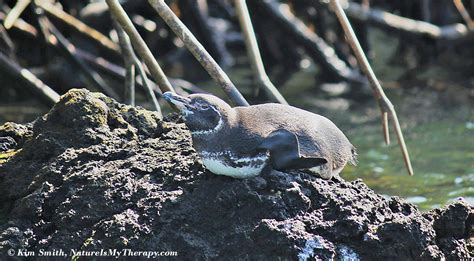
(284, 148)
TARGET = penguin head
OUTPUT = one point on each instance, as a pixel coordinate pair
(202, 113)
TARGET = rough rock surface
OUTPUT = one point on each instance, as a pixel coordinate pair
(95, 174)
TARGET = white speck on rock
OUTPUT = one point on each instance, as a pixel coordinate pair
(347, 254)
(317, 242)
(308, 250)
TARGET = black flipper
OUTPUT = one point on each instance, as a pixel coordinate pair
(285, 153)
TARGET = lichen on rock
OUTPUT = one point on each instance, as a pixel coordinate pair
(95, 174)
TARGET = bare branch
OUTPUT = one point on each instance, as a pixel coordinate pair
(132, 61)
(258, 68)
(8, 41)
(147, 86)
(463, 12)
(15, 13)
(314, 45)
(21, 25)
(46, 93)
(118, 72)
(405, 25)
(198, 51)
(78, 25)
(386, 106)
(117, 11)
(70, 50)
(129, 62)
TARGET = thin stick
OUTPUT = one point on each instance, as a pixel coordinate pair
(402, 25)
(147, 85)
(105, 66)
(315, 46)
(46, 93)
(253, 53)
(129, 63)
(196, 48)
(93, 77)
(118, 72)
(15, 13)
(21, 25)
(130, 83)
(133, 62)
(78, 25)
(119, 13)
(8, 41)
(386, 106)
(465, 15)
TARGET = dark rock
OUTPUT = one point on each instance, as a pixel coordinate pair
(451, 221)
(19, 133)
(94, 174)
(7, 143)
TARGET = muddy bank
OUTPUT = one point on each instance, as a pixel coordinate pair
(95, 174)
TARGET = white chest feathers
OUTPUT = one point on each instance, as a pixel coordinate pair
(228, 165)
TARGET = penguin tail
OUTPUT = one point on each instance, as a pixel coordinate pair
(354, 155)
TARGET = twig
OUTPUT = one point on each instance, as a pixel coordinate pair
(118, 73)
(48, 95)
(386, 106)
(99, 63)
(197, 18)
(21, 25)
(399, 24)
(129, 62)
(132, 60)
(29, 31)
(117, 11)
(15, 13)
(463, 12)
(147, 86)
(193, 45)
(314, 45)
(93, 77)
(253, 53)
(78, 25)
(8, 41)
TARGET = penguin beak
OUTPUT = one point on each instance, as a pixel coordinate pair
(183, 103)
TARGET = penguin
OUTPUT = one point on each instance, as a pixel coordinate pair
(241, 141)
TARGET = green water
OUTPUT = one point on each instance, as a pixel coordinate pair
(442, 155)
